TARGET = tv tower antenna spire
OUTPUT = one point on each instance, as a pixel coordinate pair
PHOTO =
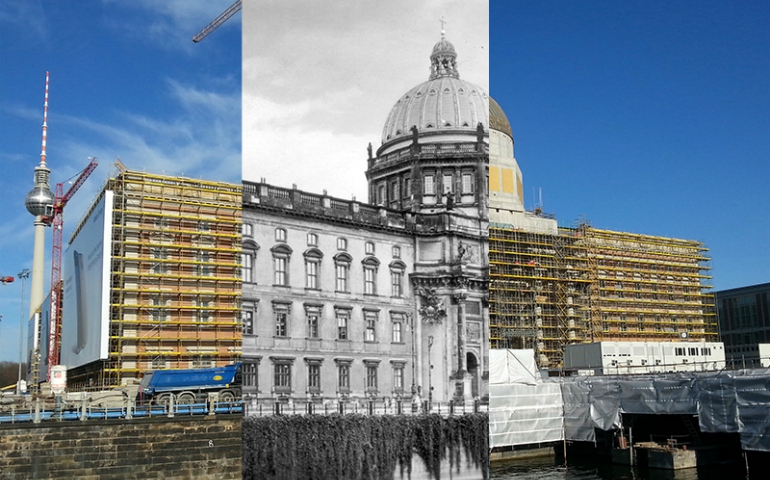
(45, 121)
(39, 202)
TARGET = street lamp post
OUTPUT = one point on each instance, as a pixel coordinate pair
(430, 371)
(23, 276)
(410, 322)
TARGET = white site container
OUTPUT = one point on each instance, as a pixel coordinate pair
(58, 379)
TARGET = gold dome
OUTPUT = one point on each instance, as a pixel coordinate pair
(497, 119)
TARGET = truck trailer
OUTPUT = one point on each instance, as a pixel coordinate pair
(190, 386)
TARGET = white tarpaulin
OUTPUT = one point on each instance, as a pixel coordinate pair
(523, 410)
(513, 366)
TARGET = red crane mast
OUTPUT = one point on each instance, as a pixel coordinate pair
(57, 222)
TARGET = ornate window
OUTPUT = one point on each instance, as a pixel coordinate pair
(429, 187)
(343, 375)
(371, 375)
(247, 267)
(312, 319)
(398, 377)
(342, 272)
(397, 269)
(370, 326)
(281, 313)
(447, 183)
(313, 258)
(281, 257)
(313, 375)
(247, 318)
(397, 325)
(343, 319)
(250, 372)
(394, 193)
(467, 185)
(247, 261)
(282, 374)
(370, 265)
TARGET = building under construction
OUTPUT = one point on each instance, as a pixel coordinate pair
(171, 286)
(551, 286)
(588, 285)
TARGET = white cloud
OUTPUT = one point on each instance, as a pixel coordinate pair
(319, 79)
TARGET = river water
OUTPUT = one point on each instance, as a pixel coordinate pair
(547, 468)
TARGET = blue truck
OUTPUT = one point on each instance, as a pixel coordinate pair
(190, 386)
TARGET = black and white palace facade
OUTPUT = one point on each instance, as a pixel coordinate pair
(351, 301)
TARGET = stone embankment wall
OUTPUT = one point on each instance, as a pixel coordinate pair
(181, 448)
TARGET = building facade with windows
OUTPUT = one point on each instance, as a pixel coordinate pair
(744, 323)
(386, 300)
(327, 309)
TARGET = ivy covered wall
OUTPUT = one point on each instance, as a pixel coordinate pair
(361, 447)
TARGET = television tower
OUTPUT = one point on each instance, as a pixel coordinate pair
(39, 202)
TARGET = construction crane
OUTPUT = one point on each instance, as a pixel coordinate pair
(57, 222)
(232, 10)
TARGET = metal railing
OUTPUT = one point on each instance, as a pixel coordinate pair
(37, 411)
(267, 407)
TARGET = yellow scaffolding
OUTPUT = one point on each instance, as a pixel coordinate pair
(175, 293)
(586, 284)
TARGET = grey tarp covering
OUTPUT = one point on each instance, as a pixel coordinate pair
(605, 405)
(577, 411)
(598, 401)
(725, 402)
(752, 394)
(717, 406)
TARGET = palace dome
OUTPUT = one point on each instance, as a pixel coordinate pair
(445, 108)
(497, 119)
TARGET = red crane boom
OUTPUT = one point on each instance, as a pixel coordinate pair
(57, 222)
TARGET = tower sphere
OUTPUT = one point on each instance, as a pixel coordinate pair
(39, 201)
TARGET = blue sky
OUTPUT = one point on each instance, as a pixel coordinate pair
(126, 81)
(646, 117)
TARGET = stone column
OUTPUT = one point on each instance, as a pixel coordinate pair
(463, 379)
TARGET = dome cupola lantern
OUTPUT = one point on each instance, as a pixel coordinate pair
(443, 60)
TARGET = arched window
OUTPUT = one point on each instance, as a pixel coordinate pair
(313, 258)
(248, 257)
(281, 256)
(397, 269)
(342, 263)
(370, 264)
